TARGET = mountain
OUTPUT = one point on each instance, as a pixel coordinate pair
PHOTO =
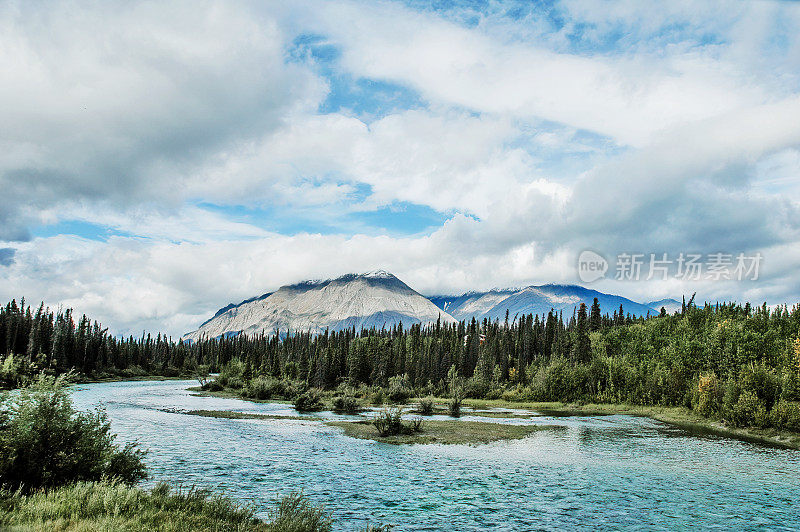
(355, 300)
(533, 300)
(669, 304)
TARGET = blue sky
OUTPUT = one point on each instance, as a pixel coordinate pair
(162, 160)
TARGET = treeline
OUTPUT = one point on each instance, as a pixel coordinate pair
(734, 362)
(34, 340)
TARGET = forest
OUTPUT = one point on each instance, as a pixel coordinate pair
(736, 363)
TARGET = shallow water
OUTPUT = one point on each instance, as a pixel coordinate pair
(588, 472)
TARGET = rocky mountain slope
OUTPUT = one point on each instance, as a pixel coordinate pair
(355, 300)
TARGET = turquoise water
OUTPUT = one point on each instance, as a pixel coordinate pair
(593, 472)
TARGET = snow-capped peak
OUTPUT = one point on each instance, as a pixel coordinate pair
(378, 274)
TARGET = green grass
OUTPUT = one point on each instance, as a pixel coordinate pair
(103, 506)
(447, 432)
(229, 393)
(226, 414)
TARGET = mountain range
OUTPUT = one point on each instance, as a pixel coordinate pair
(379, 299)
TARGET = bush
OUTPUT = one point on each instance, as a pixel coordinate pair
(212, 386)
(45, 442)
(389, 422)
(426, 406)
(230, 376)
(749, 411)
(763, 382)
(309, 401)
(495, 393)
(786, 415)
(377, 397)
(399, 390)
(346, 404)
(454, 406)
(708, 395)
(476, 388)
(264, 388)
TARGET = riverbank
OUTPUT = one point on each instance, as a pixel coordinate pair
(677, 416)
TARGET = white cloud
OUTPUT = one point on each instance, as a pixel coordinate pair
(122, 103)
(129, 116)
(626, 98)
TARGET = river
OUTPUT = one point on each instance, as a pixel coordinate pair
(586, 472)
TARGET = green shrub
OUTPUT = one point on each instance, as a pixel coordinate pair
(309, 401)
(495, 393)
(389, 422)
(377, 397)
(790, 387)
(231, 374)
(264, 388)
(763, 382)
(749, 411)
(346, 404)
(212, 386)
(45, 442)
(426, 406)
(454, 406)
(786, 415)
(476, 388)
(399, 389)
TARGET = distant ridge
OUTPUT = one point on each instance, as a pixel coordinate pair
(379, 299)
(533, 300)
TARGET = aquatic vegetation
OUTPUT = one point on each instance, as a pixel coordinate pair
(228, 414)
(390, 423)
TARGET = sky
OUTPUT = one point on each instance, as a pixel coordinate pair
(159, 160)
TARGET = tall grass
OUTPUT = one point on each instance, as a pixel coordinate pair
(114, 506)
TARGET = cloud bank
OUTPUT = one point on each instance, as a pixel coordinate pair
(161, 160)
